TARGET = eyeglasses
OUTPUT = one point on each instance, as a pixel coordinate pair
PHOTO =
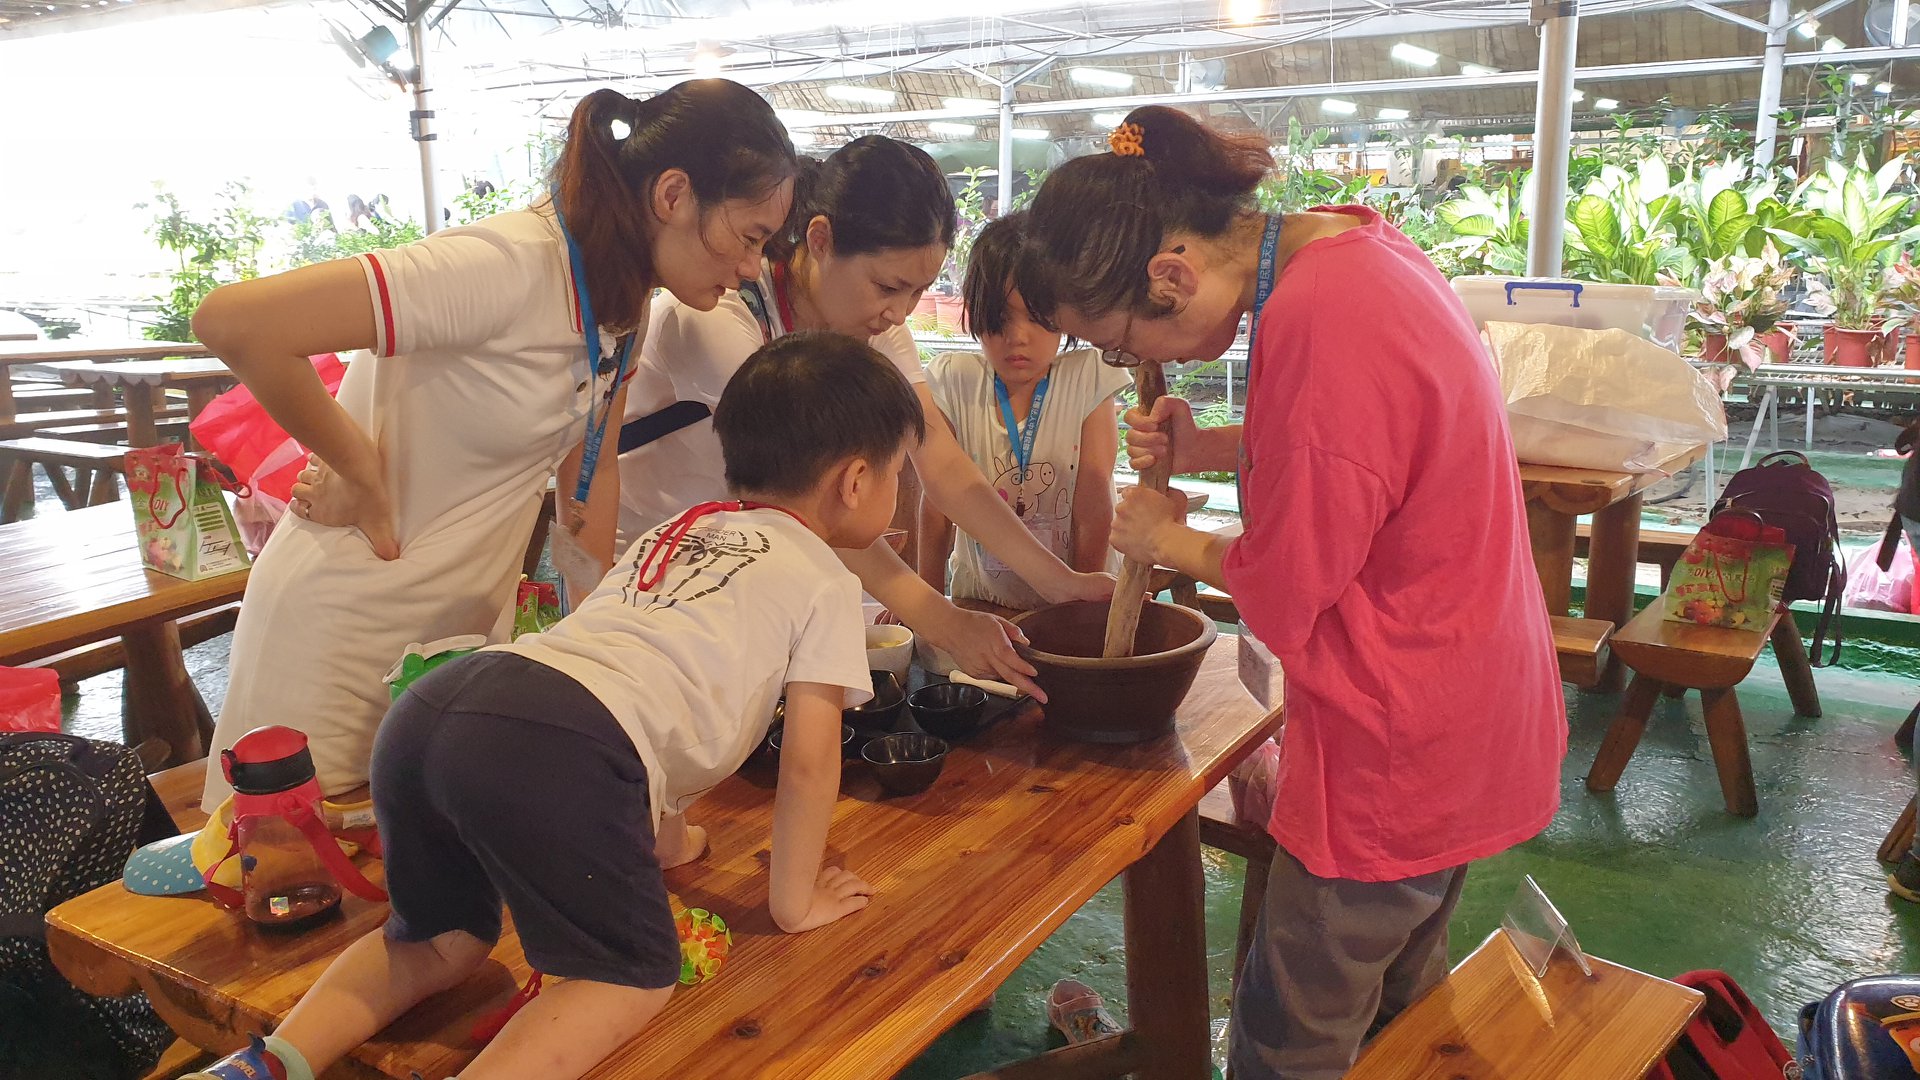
(1121, 358)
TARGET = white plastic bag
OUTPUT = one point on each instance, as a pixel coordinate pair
(1875, 589)
(1600, 399)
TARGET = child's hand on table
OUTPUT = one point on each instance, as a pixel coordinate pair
(837, 894)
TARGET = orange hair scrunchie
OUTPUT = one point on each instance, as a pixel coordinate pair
(1127, 140)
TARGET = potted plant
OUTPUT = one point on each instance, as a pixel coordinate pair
(1740, 308)
(1847, 243)
(1901, 292)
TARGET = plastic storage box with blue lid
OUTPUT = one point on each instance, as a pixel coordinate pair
(1655, 312)
(1868, 1029)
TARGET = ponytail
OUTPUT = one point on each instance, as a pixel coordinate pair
(721, 134)
(1099, 220)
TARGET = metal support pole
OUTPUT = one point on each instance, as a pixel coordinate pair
(1766, 123)
(1559, 22)
(422, 116)
(1006, 148)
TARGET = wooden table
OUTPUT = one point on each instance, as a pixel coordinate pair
(75, 578)
(82, 349)
(972, 876)
(1493, 1020)
(1556, 498)
(143, 385)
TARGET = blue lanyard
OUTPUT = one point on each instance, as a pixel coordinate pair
(596, 430)
(1263, 286)
(1262, 289)
(1023, 443)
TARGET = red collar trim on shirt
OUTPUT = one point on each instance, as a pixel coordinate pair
(652, 573)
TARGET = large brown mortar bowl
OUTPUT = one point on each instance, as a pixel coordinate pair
(1123, 699)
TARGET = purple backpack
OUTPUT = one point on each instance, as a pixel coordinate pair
(1785, 491)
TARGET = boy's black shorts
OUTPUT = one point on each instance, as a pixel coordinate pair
(497, 778)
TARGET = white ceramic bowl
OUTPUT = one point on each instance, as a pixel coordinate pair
(890, 648)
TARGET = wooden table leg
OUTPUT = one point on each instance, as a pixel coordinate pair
(1167, 956)
(1727, 734)
(1795, 669)
(1613, 556)
(161, 701)
(141, 427)
(1551, 534)
(6, 395)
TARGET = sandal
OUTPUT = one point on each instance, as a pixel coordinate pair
(1078, 1011)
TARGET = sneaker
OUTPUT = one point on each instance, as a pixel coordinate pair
(1078, 1012)
(1903, 880)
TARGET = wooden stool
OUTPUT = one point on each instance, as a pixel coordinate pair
(1712, 660)
(1582, 648)
(95, 471)
(1899, 839)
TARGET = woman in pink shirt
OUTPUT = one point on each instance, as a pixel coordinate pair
(1384, 561)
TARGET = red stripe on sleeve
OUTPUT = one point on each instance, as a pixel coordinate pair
(386, 303)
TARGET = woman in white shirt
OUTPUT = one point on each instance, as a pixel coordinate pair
(870, 229)
(478, 383)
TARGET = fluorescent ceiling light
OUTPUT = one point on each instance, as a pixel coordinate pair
(1883, 88)
(949, 127)
(967, 104)
(707, 64)
(1415, 55)
(1477, 71)
(1832, 44)
(1032, 133)
(1104, 78)
(1240, 12)
(861, 95)
(1606, 103)
(1860, 78)
(1337, 105)
(1807, 29)
(1578, 96)
(1394, 114)
(1109, 119)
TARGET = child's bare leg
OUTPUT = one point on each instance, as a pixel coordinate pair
(568, 1029)
(677, 843)
(369, 985)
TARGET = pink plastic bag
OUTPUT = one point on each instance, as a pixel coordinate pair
(1874, 589)
(262, 455)
(29, 699)
(1252, 784)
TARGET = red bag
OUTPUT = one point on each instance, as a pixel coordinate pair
(261, 454)
(29, 699)
(1727, 1039)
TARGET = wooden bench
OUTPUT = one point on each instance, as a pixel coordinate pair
(48, 397)
(1713, 660)
(94, 466)
(115, 432)
(1658, 547)
(1582, 647)
(33, 422)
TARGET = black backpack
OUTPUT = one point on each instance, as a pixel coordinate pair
(1785, 491)
(71, 811)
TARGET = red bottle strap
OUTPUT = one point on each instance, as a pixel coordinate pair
(342, 868)
(223, 895)
(490, 1024)
(651, 574)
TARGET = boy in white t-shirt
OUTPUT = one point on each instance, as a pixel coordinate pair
(1040, 424)
(657, 688)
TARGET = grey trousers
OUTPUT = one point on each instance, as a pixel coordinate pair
(1331, 962)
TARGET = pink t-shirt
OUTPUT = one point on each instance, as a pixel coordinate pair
(1385, 562)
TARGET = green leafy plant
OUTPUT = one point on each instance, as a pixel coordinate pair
(223, 248)
(1853, 231)
(1297, 183)
(1621, 228)
(1489, 227)
(1740, 297)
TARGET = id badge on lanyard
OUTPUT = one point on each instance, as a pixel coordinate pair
(1258, 669)
(579, 570)
(1022, 437)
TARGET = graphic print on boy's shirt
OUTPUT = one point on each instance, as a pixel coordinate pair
(710, 557)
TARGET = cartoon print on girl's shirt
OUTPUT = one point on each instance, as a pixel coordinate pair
(1040, 496)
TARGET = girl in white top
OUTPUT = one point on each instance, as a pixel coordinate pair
(870, 230)
(478, 383)
(1039, 424)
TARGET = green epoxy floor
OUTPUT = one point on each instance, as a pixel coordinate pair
(1656, 876)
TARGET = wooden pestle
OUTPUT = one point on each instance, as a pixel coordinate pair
(1123, 615)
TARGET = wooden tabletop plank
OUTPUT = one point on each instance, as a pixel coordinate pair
(1492, 1020)
(1586, 491)
(178, 371)
(72, 578)
(971, 876)
(34, 352)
